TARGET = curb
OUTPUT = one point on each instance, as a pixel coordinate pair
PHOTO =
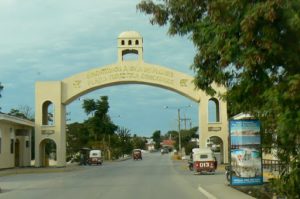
(123, 159)
(29, 170)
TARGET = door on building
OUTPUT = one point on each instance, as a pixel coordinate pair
(17, 153)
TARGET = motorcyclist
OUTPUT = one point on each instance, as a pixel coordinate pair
(215, 163)
(191, 162)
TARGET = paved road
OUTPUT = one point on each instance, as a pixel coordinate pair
(155, 177)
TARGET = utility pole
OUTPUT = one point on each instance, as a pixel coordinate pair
(185, 119)
(179, 120)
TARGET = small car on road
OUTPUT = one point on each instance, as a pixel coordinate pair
(164, 150)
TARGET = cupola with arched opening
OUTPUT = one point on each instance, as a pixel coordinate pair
(130, 42)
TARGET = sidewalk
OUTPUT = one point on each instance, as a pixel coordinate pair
(27, 170)
(32, 169)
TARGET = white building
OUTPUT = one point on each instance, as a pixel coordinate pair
(15, 141)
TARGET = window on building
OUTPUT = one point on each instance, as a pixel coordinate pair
(136, 42)
(27, 143)
(12, 139)
(122, 42)
(48, 113)
(213, 111)
(129, 43)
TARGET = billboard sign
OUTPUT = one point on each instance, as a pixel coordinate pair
(245, 152)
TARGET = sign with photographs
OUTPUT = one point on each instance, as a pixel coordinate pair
(245, 152)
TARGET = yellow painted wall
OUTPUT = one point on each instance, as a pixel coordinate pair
(7, 159)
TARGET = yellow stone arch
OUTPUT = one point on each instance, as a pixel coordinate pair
(61, 93)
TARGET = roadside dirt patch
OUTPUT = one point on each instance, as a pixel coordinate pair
(259, 191)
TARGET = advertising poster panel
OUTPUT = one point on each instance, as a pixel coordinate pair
(245, 152)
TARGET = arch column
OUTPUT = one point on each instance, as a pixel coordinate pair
(50, 91)
(219, 129)
(203, 122)
(61, 144)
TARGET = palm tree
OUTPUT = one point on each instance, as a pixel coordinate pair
(125, 140)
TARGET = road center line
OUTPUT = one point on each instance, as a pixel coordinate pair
(206, 193)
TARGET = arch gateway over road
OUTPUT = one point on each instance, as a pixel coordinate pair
(58, 94)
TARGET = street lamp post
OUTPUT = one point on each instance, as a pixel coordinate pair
(179, 134)
(178, 115)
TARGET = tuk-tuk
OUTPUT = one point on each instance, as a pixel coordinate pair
(95, 157)
(84, 156)
(137, 154)
(204, 160)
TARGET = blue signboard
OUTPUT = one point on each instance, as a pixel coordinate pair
(245, 152)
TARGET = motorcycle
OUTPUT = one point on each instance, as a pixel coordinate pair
(228, 172)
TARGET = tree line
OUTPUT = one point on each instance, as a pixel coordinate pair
(186, 135)
(99, 132)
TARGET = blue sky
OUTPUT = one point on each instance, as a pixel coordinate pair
(52, 40)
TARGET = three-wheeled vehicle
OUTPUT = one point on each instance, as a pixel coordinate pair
(84, 156)
(95, 157)
(204, 161)
(137, 154)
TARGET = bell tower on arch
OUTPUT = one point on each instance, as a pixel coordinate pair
(130, 42)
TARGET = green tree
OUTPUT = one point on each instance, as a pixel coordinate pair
(156, 136)
(187, 135)
(99, 124)
(16, 113)
(125, 143)
(252, 48)
(115, 146)
(24, 112)
(171, 134)
(138, 142)
(77, 138)
(89, 106)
